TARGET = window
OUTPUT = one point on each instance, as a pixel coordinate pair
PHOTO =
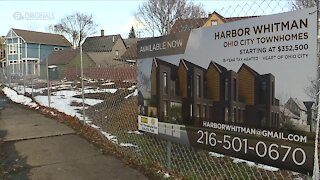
(214, 22)
(165, 83)
(177, 87)
(234, 115)
(198, 110)
(12, 48)
(61, 49)
(226, 89)
(173, 88)
(191, 110)
(205, 88)
(226, 115)
(204, 112)
(263, 92)
(117, 53)
(165, 109)
(262, 118)
(234, 89)
(198, 86)
(56, 49)
(239, 116)
(190, 86)
(272, 95)
(14, 67)
(175, 111)
(210, 113)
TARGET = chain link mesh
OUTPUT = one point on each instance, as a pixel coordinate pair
(114, 84)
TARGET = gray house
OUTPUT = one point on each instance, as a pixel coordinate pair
(25, 50)
(105, 50)
(304, 114)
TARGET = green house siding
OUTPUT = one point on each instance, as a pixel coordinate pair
(74, 63)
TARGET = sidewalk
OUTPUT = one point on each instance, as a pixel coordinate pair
(49, 150)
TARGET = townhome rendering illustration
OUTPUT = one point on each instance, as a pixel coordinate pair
(213, 94)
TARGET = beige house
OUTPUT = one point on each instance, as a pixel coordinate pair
(182, 25)
(2, 50)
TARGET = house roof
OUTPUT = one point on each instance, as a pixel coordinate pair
(160, 61)
(131, 41)
(190, 65)
(101, 59)
(100, 43)
(299, 103)
(131, 53)
(174, 68)
(249, 68)
(288, 113)
(232, 19)
(218, 66)
(42, 38)
(182, 25)
(62, 57)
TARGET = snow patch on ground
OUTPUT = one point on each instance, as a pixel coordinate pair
(21, 89)
(135, 132)
(107, 84)
(110, 137)
(128, 145)
(86, 91)
(11, 94)
(135, 93)
(132, 88)
(216, 154)
(94, 126)
(166, 175)
(61, 100)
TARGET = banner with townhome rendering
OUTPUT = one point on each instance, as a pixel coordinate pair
(245, 89)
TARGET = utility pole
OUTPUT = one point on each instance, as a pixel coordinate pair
(82, 87)
(316, 160)
(48, 84)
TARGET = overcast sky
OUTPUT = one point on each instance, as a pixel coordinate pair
(115, 17)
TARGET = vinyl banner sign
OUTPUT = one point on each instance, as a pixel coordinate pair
(245, 89)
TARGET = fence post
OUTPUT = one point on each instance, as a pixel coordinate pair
(82, 87)
(316, 159)
(32, 87)
(24, 85)
(48, 84)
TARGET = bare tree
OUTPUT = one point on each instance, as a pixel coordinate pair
(300, 4)
(76, 27)
(159, 16)
(312, 89)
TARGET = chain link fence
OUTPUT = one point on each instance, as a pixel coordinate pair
(110, 103)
